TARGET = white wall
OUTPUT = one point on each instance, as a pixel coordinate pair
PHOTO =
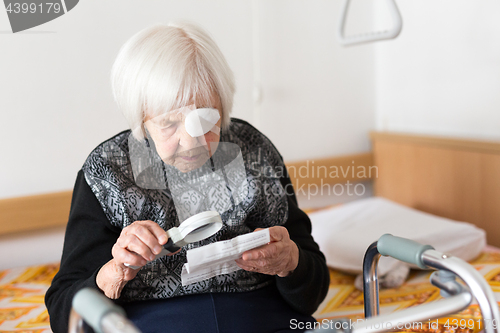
(318, 97)
(442, 75)
(56, 104)
(55, 100)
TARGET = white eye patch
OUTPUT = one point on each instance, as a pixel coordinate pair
(200, 121)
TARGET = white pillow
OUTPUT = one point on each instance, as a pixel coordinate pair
(344, 233)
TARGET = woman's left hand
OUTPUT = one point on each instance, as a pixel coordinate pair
(279, 257)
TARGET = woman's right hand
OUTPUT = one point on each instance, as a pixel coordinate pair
(138, 243)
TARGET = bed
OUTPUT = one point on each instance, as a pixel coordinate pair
(453, 178)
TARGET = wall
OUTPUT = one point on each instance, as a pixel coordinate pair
(442, 75)
(56, 103)
(317, 99)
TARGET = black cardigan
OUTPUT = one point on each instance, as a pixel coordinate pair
(90, 237)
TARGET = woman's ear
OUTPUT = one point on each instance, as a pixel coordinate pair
(146, 135)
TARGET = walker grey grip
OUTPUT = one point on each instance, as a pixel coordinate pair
(93, 306)
(402, 249)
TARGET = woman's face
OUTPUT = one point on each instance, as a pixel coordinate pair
(173, 143)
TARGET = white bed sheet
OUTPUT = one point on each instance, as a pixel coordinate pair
(33, 248)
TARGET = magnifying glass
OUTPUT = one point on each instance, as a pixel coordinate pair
(193, 229)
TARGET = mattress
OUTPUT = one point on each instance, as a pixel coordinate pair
(22, 291)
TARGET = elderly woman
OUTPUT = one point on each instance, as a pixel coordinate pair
(176, 91)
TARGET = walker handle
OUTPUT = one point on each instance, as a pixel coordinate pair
(402, 249)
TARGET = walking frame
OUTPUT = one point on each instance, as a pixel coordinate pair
(456, 295)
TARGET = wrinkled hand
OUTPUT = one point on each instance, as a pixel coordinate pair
(138, 243)
(279, 257)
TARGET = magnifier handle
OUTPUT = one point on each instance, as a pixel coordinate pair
(170, 246)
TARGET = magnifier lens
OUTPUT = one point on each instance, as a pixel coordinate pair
(208, 224)
(202, 232)
(194, 229)
(203, 227)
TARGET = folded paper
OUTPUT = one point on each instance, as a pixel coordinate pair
(219, 258)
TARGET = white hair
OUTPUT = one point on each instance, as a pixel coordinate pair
(162, 68)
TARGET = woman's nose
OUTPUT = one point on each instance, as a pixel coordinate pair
(186, 141)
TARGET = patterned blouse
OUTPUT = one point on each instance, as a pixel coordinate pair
(252, 198)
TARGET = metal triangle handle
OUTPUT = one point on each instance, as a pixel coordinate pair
(391, 33)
